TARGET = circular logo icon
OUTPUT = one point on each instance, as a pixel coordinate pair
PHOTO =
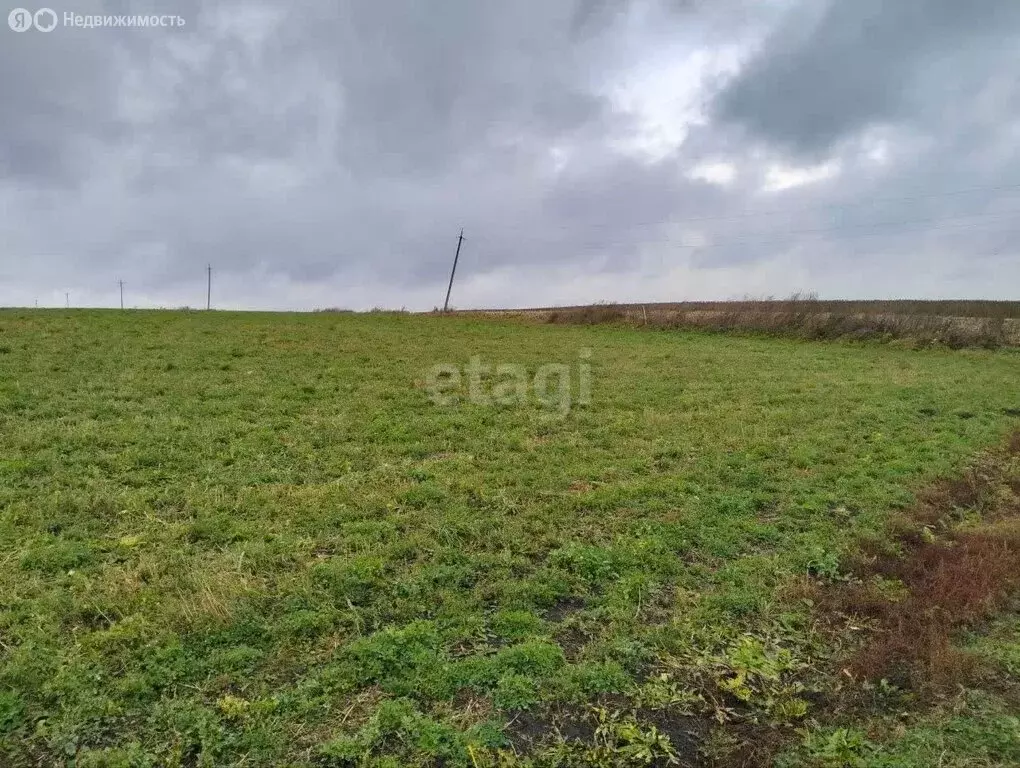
(19, 20)
(45, 20)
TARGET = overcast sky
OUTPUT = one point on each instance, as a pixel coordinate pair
(326, 154)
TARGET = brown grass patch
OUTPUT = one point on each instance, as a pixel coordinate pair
(932, 578)
(954, 324)
(950, 585)
(591, 315)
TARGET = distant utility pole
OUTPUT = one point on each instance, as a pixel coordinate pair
(67, 300)
(460, 240)
(208, 288)
(121, 284)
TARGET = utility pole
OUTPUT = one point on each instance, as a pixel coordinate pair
(208, 288)
(121, 284)
(460, 240)
(67, 300)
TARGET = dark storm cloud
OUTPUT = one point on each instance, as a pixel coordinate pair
(441, 83)
(47, 113)
(836, 67)
(327, 153)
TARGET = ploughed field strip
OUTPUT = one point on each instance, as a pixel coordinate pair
(258, 539)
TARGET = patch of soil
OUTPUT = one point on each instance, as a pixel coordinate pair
(686, 733)
(572, 640)
(578, 725)
(563, 607)
(532, 727)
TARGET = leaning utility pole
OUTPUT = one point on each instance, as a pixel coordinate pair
(208, 288)
(446, 304)
(121, 284)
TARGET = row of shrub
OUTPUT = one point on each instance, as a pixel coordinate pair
(807, 319)
(801, 301)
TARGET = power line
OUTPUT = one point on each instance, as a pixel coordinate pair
(790, 210)
(779, 241)
(872, 201)
(937, 223)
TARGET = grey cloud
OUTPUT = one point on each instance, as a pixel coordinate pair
(326, 149)
(835, 68)
(50, 113)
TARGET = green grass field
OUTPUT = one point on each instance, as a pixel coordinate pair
(236, 539)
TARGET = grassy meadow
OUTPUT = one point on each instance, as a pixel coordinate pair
(244, 539)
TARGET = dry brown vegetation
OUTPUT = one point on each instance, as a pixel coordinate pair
(949, 563)
(957, 324)
(944, 308)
